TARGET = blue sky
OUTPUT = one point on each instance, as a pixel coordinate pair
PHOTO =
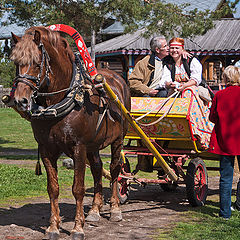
(237, 14)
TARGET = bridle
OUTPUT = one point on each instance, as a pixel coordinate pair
(32, 81)
(73, 94)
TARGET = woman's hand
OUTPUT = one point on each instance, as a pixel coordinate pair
(174, 85)
(153, 92)
(186, 54)
(187, 84)
(181, 87)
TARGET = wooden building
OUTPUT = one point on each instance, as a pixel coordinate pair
(218, 48)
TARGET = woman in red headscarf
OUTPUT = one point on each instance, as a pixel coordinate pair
(185, 75)
(181, 73)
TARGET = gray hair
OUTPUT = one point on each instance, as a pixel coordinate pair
(156, 43)
(231, 76)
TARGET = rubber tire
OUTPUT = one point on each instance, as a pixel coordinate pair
(197, 188)
(123, 188)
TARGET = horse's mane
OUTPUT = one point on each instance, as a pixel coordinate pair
(27, 52)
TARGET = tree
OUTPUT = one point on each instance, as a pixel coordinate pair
(89, 16)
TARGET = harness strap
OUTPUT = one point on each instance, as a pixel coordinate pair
(160, 106)
(165, 113)
(25, 81)
(102, 115)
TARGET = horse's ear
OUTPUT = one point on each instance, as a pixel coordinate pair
(65, 43)
(37, 37)
(15, 38)
(67, 47)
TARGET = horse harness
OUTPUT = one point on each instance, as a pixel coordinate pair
(74, 93)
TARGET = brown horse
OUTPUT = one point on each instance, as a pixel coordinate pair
(88, 123)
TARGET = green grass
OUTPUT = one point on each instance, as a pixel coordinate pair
(16, 183)
(16, 132)
(203, 224)
(19, 183)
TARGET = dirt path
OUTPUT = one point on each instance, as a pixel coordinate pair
(148, 210)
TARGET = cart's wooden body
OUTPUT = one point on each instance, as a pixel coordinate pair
(179, 137)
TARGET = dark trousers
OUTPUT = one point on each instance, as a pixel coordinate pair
(161, 93)
(226, 179)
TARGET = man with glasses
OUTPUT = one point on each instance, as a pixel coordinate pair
(145, 79)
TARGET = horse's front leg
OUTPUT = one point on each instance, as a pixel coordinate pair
(96, 169)
(78, 190)
(50, 164)
(115, 168)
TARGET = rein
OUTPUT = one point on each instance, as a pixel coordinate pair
(175, 95)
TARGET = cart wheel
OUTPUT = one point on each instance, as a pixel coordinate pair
(166, 187)
(197, 182)
(123, 186)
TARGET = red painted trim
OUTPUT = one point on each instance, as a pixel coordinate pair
(80, 45)
(188, 115)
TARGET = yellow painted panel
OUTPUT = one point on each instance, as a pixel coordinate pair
(167, 128)
(144, 105)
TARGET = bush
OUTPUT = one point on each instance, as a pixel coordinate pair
(7, 72)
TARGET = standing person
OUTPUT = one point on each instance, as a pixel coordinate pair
(225, 138)
(145, 79)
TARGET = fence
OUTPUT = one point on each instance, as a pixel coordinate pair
(3, 91)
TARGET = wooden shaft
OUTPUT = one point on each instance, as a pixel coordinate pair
(140, 132)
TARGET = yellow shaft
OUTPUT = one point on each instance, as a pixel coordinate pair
(140, 132)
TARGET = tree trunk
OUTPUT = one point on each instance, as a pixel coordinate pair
(93, 43)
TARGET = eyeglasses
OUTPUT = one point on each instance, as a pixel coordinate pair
(163, 48)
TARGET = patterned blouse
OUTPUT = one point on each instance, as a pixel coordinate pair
(181, 74)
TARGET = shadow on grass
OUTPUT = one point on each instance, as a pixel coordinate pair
(10, 153)
(210, 209)
(4, 141)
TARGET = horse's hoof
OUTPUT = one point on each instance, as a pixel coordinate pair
(77, 236)
(116, 216)
(93, 217)
(51, 236)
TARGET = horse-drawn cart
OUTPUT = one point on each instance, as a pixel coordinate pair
(63, 97)
(165, 135)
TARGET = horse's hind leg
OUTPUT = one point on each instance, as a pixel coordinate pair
(115, 168)
(50, 164)
(96, 169)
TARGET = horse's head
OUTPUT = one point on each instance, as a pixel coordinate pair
(44, 64)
